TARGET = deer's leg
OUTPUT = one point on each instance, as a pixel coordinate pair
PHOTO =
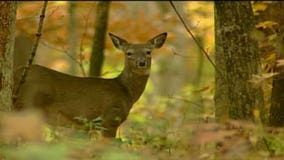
(112, 118)
(110, 132)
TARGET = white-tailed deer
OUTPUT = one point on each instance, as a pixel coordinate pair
(62, 97)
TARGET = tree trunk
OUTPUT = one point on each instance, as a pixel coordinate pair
(274, 12)
(7, 38)
(72, 36)
(97, 56)
(237, 59)
(276, 117)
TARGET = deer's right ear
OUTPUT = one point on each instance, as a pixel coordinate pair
(117, 41)
(158, 40)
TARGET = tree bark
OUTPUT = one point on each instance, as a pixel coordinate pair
(7, 38)
(237, 59)
(100, 28)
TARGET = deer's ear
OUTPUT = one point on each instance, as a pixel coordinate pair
(117, 41)
(158, 40)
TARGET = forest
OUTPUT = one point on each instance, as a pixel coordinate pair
(134, 80)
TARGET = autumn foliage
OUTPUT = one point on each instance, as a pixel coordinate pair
(175, 117)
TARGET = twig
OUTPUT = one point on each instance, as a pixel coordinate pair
(34, 17)
(67, 53)
(53, 47)
(176, 53)
(193, 37)
(267, 145)
(33, 51)
(185, 100)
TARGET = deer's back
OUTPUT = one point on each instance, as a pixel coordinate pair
(56, 94)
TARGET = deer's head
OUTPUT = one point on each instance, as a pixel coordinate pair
(138, 56)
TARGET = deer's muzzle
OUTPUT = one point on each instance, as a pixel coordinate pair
(142, 64)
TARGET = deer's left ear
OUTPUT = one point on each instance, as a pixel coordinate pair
(117, 41)
(158, 40)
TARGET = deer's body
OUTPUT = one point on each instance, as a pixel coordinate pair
(62, 97)
(51, 91)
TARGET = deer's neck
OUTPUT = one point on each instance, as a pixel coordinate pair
(133, 82)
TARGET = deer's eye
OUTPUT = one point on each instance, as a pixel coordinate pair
(129, 53)
(148, 52)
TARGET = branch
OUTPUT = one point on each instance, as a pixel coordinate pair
(33, 52)
(68, 54)
(192, 35)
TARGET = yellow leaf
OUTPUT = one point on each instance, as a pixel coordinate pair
(272, 37)
(266, 24)
(280, 62)
(256, 113)
(258, 80)
(259, 6)
(271, 57)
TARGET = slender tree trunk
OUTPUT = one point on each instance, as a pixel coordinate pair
(72, 36)
(237, 59)
(100, 28)
(200, 65)
(7, 38)
(163, 6)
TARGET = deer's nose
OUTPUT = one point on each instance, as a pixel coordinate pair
(142, 64)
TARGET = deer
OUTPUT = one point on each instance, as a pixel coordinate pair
(62, 97)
